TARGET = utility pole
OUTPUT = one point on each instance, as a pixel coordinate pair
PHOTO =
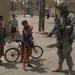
(42, 16)
(12, 6)
(24, 7)
(21, 3)
(55, 7)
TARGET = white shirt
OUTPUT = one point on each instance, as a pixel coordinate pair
(3, 24)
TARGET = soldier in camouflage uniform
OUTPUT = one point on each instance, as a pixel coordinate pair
(64, 30)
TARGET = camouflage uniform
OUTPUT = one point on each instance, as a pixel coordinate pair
(64, 27)
(66, 22)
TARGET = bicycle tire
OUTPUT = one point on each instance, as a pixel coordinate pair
(37, 55)
(11, 55)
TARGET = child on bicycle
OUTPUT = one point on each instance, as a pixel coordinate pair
(24, 23)
(28, 45)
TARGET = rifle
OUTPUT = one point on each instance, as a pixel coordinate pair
(58, 27)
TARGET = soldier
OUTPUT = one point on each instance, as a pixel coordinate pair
(64, 30)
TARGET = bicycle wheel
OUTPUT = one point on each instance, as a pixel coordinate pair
(12, 55)
(37, 52)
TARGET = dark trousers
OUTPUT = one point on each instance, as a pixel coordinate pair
(4, 32)
(1, 50)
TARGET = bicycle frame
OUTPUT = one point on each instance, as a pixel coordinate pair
(16, 51)
(19, 45)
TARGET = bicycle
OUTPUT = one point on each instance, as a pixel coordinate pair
(12, 54)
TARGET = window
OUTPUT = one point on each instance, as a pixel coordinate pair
(37, 3)
(30, 3)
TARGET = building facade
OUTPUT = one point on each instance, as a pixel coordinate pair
(5, 6)
(50, 5)
(35, 5)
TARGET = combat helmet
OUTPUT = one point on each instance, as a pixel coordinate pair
(61, 4)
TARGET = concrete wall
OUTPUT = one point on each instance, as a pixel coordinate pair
(50, 3)
(5, 6)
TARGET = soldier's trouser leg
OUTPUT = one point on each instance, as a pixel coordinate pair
(67, 49)
(61, 56)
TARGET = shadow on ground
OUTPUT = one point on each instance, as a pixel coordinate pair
(44, 33)
(39, 66)
(10, 65)
(52, 45)
(67, 72)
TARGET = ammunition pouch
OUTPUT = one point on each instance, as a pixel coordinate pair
(70, 40)
(69, 30)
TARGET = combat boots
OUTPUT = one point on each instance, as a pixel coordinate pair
(59, 69)
(70, 72)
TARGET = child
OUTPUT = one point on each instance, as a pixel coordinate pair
(2, 42)
(24, 32)
(3, 27)
(24, 23)
(28, 45)
(14, 24)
